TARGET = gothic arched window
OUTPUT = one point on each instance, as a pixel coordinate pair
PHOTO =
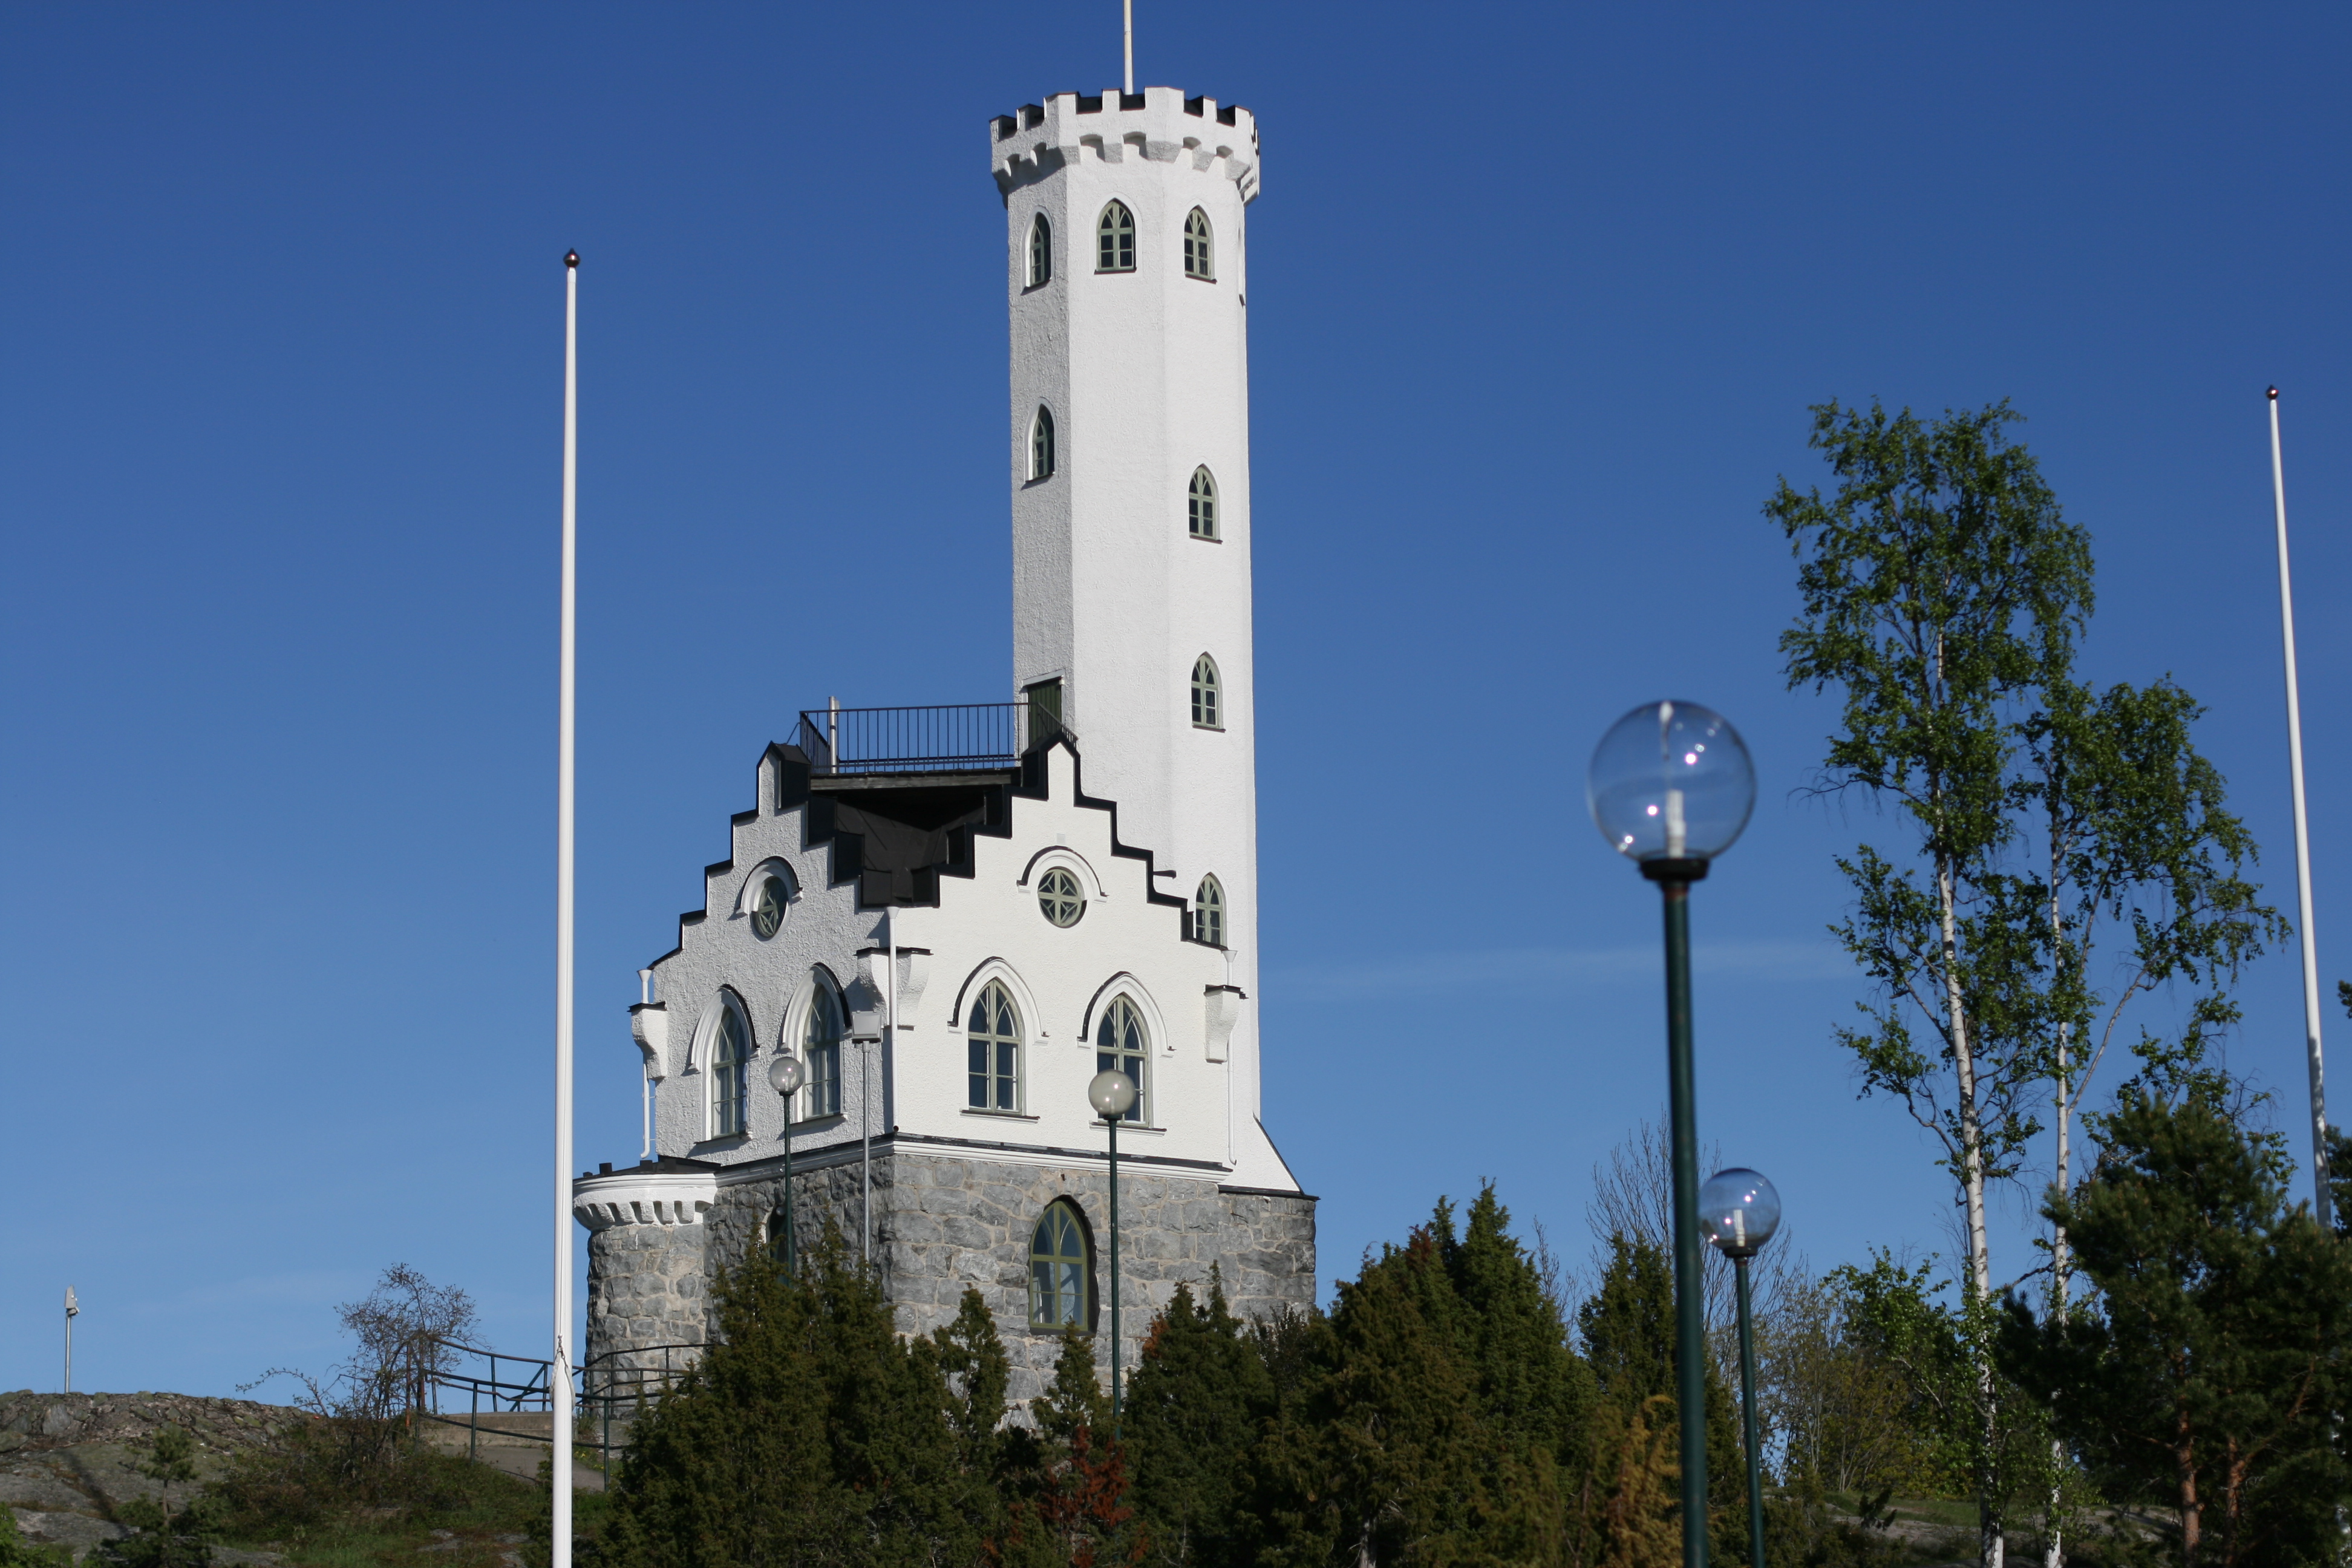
(1200, 255)
(993, 1032)
(1040, 251)
(1041, 445)
(730, 1058)
(1115, 239)
(1121, 1045)
(1200, 504)
(1208, 706)
(1061, 1269)
(1209, 912)
(821, 1050)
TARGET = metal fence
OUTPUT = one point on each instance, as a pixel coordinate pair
(949, 739)
(609, 1396)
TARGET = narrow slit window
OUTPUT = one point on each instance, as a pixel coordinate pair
(1115, 239)
(1208, 696)
(1040, 252)
(1200, 504)
(1041, 445)
(1200, 253)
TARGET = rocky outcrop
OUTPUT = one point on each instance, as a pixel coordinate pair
(69, 1461)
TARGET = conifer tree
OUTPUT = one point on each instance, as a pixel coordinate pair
(1074, 1510)
(2211, 1372)
(1193, 1411)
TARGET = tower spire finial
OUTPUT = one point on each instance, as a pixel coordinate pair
(1129, 8)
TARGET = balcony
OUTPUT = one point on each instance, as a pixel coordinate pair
(966, 737)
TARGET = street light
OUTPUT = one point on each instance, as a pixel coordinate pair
(1742, 1211)
(1110, 1094)
(1669, 786)
(784, 1077)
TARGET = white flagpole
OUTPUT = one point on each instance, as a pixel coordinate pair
(1128, 8)
(559, 1378)
(2321, 1206)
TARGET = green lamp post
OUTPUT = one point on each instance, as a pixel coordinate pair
(784, 1077)
(1742, 1211)
(1669, 786)
(1111, 1093)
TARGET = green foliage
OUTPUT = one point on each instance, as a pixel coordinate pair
(162, 1536)
(1070, 1484)
(1193, 1411)
(2212, 1368)
(809, 1433)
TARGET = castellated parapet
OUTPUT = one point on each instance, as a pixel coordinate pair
(1159, 123)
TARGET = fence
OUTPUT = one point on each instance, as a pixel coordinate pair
(609, 1396)
(959, 737)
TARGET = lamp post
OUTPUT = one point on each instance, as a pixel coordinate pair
(1111, 1094)
(1742, 1211)
(784, 1078)
(1669, 786)
(73, 1310)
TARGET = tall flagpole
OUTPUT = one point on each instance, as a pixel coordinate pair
(1128, 17)
(2321, 1206)
(559, 1380)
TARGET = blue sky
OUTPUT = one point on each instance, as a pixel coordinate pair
(1540, 296)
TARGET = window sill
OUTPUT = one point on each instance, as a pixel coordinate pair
(1102, 1126)
(830, 1119)
(1207, 538)
(1213, 728)
(1000, 1115)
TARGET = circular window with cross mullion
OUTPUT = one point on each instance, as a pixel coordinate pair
(1059, 895)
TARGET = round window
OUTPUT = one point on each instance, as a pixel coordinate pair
(1059, 896)
(768, 907)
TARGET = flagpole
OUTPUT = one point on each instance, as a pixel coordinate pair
(2321, 1205)
(559, 1380)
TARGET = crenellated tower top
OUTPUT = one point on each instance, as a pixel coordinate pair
(1159, 125)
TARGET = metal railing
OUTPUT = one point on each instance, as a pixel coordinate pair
(954, 738)
(610, 1394)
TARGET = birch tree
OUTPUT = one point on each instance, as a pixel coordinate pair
(1942, 591)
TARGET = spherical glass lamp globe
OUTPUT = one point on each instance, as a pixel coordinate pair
(1670, 780)
(1110, 1094)
(1740, 1210)
(784, 1073)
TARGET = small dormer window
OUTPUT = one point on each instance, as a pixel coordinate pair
(1040, 252)
(1115, 239)
(1200, 254)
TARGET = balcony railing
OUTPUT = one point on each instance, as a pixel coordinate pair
(959, 738)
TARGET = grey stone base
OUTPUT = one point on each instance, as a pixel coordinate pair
(942, 1221)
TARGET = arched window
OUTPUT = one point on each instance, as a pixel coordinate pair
(821, 1047)
(1209, 912)
(1208, 706)
(1040, 251)
(1200, 504)
(1061, 1269)
(1121, 1045)
(994, 1035)
(1200, 254)
(1041, 445)
(730, 1071)
(1115, 239)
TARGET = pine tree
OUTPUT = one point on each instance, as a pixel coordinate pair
(1193, 1411)
(1073, 1510)
(2211, 1370)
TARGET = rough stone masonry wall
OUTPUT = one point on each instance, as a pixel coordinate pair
(649, 1284)
(943, 1222)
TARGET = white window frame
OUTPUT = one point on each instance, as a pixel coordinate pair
(1019, 1041)
(1200, 247)
(1209, 884)
(730, 1007)
(1122, 237)
(1037, 263)
(1201, 505)
(1212, 690)
(1045, 446)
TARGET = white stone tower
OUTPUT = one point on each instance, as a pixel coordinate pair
(1129, 317)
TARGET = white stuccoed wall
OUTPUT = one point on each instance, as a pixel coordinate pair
(1146, 374)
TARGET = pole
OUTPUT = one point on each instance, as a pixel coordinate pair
(865, 1153)
(1748, 1420)
(560, 1375)
(1674, 878)
(1115, 1357)
(2322, 1204)
(792, 1256)
(1130, 47)
(73, 1309)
